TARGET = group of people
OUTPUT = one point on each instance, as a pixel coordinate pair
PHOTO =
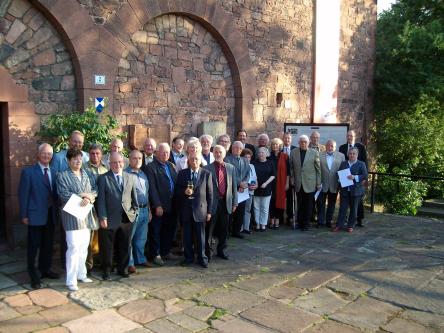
(194, 192)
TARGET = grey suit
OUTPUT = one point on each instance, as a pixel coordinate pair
(330, 185)
(119, 207)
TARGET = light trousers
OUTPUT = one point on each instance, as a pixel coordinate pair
(78, 242)
(261, 208)
(247, 214)
(139, 235)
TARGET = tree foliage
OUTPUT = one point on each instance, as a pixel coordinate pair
(97, 128)
(409, 95)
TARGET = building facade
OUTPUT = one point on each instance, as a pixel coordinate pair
(167, 66)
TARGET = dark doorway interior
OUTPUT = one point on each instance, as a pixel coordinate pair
(3, 159)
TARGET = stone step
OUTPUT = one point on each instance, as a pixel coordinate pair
(434, 203)
(431, 212)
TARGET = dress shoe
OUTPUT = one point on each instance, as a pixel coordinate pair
(186, 263)
(203, 264)
(223, 255)
(106, 277)
(238, 236)
(248, 232)
(337, 229)
(131, 269)
(158, 261)
(349, 230)
(50, 275)
(145, 264)
(171, 256)
(36, 285)
(123, 274)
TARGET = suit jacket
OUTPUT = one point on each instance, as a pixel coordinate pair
(329, 177)
(116, 205)
(35, 196)
(242, 168)
(60, 163)
(231, 196)
(362, 152)
(202, 203)
(68, 184)
(358, 169)
(309, 175)
(291, 149)
(320, 148)
(160, 193)
(144, 157)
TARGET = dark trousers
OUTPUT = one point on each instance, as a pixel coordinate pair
(190, 228)
(347, 201)
(360, 215)
(238, 218)
(164, 229)
(326, 217)
(118, 241)
(40, 241)
(218, 227)
(305, 207)
(289, 209)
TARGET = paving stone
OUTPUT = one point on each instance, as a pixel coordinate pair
(141, 330)
(187, 322)
(200, 312)
(239, 325)
(6, 312)
(57, 329)
(4, 259)
(11, 291)
(286, 291)
(348, 285)
(102, 321)
(173, 305)
(144, 310)
(233, 300)
(29, 309)
(405, 326)
(432, 320)
(330, 326)
(315, 279)
(106, 295)
(47, 298)
(165, 326)
(259, 282)
(366, 313)
(182, 290)
(321, 301)
(13, 267)
(6, 282)
(23, 324)
(18, 300)
(63, 313)
(280, 317)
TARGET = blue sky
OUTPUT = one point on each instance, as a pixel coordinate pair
(384, 4)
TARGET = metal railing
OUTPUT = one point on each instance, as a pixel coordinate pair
(396, 175)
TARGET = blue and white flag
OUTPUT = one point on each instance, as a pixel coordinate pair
(99, 104)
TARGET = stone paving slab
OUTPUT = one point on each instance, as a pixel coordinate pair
(187, 322)
(23, 324)
(11, 291)
(322, 302)
(234, 300)
(143, 311)
(202, 313)
(240, 325)
(350, 286)
(102, 321)
(6, 312)
(13, 267)
(405, 326)
(330, 326)
(434, 321)
(64, 313)
(315, 279)
(286, 292)
(6, 282)
(165, 326)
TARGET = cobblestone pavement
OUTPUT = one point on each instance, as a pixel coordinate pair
(386, 277)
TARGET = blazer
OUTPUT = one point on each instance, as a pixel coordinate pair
(202, 203)
(291, 148)
(35, 196)
(182, 163)
(242, 167)
(68, 184)
(358, 169)
(231, 196)
(144, 158)
(116, 205)
(309, 175)
(362, 152)
(60, 163)
(160, 193)
(329, 177)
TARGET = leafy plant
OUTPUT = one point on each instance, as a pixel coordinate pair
(97, 128)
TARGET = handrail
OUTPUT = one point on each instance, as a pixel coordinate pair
(372, 195)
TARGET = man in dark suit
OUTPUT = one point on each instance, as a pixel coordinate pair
(162, 177)
(37, 199)
(176, 150)
(224, 203)
(287, 148)
(117, 209)
(242, 168)
(362, 156)
(351, 195)
(149, 147)
(241, 135)
(194, 196)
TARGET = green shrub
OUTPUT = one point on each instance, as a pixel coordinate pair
(97, 128)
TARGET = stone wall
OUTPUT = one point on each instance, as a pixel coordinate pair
(35, 55)
(174, 74)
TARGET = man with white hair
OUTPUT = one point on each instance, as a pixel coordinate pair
(206, 142)
(224, 141)
(306, 176)
(116, 146)
(162, 176)
(315, 138)
(37, 199)
(262, 141)
(149, 147)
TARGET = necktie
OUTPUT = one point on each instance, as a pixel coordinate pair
(119, 182)
(46, 178)
(194, 177)
(221, 181)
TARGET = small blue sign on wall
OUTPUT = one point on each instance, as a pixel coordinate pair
(99, 104)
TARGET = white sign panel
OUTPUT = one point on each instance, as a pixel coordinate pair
(99, 79)
(337, 132)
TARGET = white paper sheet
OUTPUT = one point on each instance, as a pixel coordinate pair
(242, 196)
(343, 178)
(73, 207)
